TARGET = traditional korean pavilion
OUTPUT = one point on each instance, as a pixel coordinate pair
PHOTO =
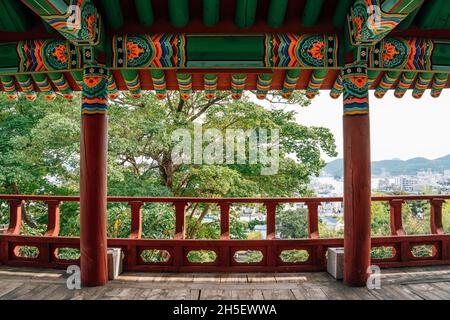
(102, 47)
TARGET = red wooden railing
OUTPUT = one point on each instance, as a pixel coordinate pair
(225, 249)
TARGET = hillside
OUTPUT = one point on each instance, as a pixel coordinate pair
(395, 166)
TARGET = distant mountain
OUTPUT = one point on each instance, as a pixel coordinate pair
(396, 166)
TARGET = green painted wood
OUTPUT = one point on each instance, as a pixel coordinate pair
(112, 14)
(47, 7)
(144, 11)
(277, 12)
(212, 50)
(408, 21)
(311, 12)
(441, 56)
(9, 59)
(48, 28)
(434, 14)
(245, 13)
(211, 12)
(13, 17)
(340, 14)
(179, 12)
(78, 77)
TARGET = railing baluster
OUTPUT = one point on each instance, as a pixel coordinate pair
(224, 221)
(180, 220)
(136, 219)
(15, 217)
(396, 217)
(436, 216)
(53, 218)
(271, 208)
(313, 219)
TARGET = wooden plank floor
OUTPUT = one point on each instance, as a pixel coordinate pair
(406, 283)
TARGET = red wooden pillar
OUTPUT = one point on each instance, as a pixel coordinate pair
(357, 191)
(224, 254)
(93, 167)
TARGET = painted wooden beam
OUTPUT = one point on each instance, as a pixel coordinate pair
(340, 13)
(245, 13)
(9, 86)
(210, 83)
(386, 83)
(61, 83)
(13, 17)
(179, 12)
(277, 12)
(238, 85)
(408, 21)
(113, 91)
(26, 84)
(434, 15)
(422, 83)
(159, 83)
(315, 82)
(263, 85)
(44, 86)
(311, 12)
(144, 10)
(439, 81)
(211, 12)
(132, 82)
(65, 17)
(112, 14)
(404, 84)
(185, 85)
(290, 82)
(338, 87)
(369, 22)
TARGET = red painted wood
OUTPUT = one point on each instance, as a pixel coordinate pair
(396, 217)
(136, 219)
(224, 221)
(313, 220)
(53, 218)
(357, 201)
(93, 166)
(436, 216)
(15, 216)
(271, 208)
(180, 220)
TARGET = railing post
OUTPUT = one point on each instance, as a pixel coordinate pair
(436, 216)
(53, 218)
(313, 220)
(224, 253)
(180, 220)
(15, 217)
(396, 217)
(224, 221)
(136, 219)
(271, 208)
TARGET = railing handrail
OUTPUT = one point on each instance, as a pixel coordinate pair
(126, 199)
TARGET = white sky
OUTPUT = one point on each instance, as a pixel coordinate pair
(400, 128)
